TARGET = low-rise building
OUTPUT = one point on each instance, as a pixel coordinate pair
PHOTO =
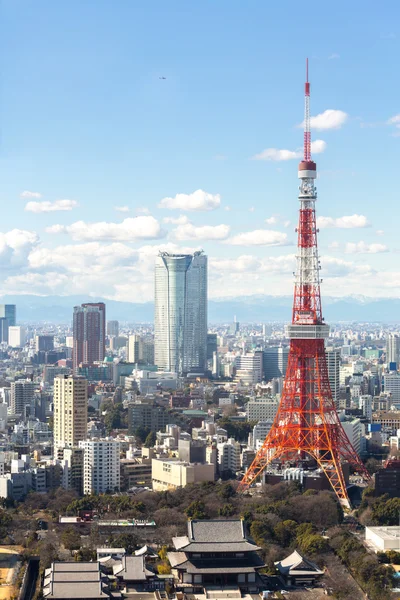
(170, 474)
(297, 570)
(78, 580)
(381, 539)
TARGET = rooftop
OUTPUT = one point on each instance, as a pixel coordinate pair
(386, 533)
(215, 536)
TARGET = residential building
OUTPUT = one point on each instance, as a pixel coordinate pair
(275, 361)
(365, 404)
(113, 328)
(180, 329)
(228, 457)
(260, 432)
(72, 468)
(149, 416)
(22, 396)
(391, 382)
(216, 553)
(354, 430)
(135, 349)
(70, 410)
(89, 332)
(16, 336)
(170, 474)
(333, 360)
(262, 409)
(101, 466)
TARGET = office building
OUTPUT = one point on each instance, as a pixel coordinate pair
(393, 349)
(135, 349)
(180, 331)
(148, 416)
(70, 410)
(275, 362)
(249, 367)
(9, 312)
(113, 328)
(3, 330)
(391, 382)
(262, 409)
(170, 474)
(228, 457)
(22, 397)
(44, 343)
(333, 360)
(354, 430)
(89, 328)
(16, 336)
(101, 466)
(365, 404)
(260, 432)
(212, 345)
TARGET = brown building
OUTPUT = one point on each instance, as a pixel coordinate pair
(89, 333)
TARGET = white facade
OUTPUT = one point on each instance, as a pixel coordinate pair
(354, 430)
(333, 360)
(392, 387)
(252, 364)
(393, 349)
(180, 325)
(16, 336)
(101, 466)
(229, 456)
(260, 432)
(135, 348)
(383, 538)
(70, 410)
(365, 404)
(262, 409)
(171, 474)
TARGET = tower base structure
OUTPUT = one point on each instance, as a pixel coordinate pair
(307, 423)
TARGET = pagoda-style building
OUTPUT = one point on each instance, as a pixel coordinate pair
(216, 553)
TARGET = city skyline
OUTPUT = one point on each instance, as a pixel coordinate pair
(221, 133)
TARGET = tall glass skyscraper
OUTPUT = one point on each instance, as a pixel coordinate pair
(8, 318)
(180, 327)
(89, 330)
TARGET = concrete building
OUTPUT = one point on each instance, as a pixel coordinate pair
(249, 366)
(170, 474)
(70, 410)
(192, 451)
(44, 343)
(365, 404)
(101, 466)
(228, 456)
(262, 409)
(354, 430)
(151, 417)
(89, 332)
(260, 432)
(333, 360)
(22, 396)
(391, 382)
(16, 336)
(113, 328)
(71, 460)
(381, 539)
(134, 349)
(180, 327)
(393, 349)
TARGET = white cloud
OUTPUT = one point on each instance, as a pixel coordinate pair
(189, 231)
(77, 257)
(130, 229)
(346, 222)
(286, 223)
(317, 147)
(197, 201)
(333, 56)
(251, 209)
(38, 284)
(251, 264)
(394, 120)
(123, 209)
(27, 194)
(363, 248)
(46, 206)
(329, 119)
(227, 208)
(259, 237)
(380, 232)
(143, 210)
(15, 245)
(181, 220)
(271, 221)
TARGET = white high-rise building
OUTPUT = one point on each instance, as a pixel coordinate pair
(180, 327)
(391, 382)
(260, 432)
(333, 359)
(70, 410)
(101, 466)
(393, 349)
(228, 456)
(135, 348)
(22, 395)
(365, 404)
(252, 363)
(16, 336)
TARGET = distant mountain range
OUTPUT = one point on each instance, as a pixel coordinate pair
(58, 309)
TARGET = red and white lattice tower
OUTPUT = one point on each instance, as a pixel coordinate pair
(307, 423)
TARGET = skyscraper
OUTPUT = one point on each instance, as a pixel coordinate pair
(393, 349)
(180, 332)
(70, 410)
(22, 395)
(112, 328)
(89, 331)
(101, 466)
(7, 319)
(333, 360)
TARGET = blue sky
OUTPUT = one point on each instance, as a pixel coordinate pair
(86, 119)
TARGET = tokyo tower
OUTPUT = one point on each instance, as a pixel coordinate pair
(307, 424)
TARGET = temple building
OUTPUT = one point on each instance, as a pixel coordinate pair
(215, 553)
(297, 570)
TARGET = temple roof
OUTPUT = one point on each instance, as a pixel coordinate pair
(215, 536)
(297, 564)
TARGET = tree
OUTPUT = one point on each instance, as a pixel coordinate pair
(163, 553)
(196, 510)
(285, 532)
(48, 553)
(314, 544)
(164, 568)
(226, 491)
(141, 433)
(227, 510)
(71, 539)
(150, 440)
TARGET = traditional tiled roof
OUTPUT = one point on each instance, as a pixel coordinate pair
(246, 565)
(132, 568)
(215, 536)
(297, 564)
(176, 558)
(74, 580)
